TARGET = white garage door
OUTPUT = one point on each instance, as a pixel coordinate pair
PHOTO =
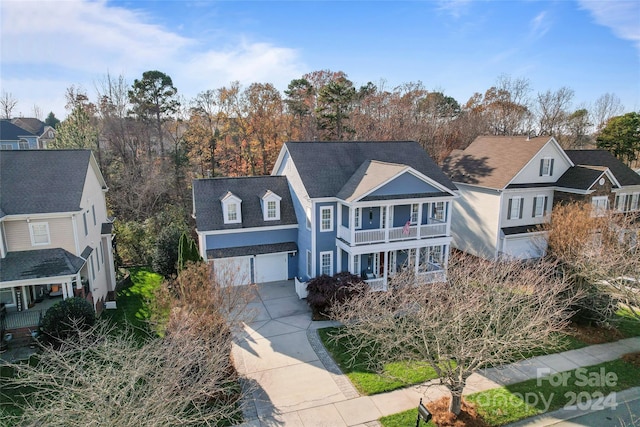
(523, 248)
(271, 267)
(233, 271)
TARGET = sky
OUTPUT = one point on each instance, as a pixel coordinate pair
(457, 47)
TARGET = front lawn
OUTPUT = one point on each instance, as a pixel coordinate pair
(508, 404)
(395, 375)
(627, 323)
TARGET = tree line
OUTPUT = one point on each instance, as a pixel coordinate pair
(151, 142)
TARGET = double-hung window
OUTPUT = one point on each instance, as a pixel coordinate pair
(438, 211)
(357, 218)
(39, 233)
(326, 263)
(546, 166)
(539, 206)
(600, 205)
(515, 208)
(232, 212)
(326, 218)
(356, 265)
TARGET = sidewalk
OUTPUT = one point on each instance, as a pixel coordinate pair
(294, 381)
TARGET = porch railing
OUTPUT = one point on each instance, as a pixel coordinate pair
(379, 235)
(378, 284)
(23, 319)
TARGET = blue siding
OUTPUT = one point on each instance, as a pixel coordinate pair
(404, 184)
(293, 265)
(325, 241)
(401, 215)
(345, 216)
(251, 238)
(304, 237)
(370, 218)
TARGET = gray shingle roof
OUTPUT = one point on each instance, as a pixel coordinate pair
(579, 177)
(252, 250)
(624, 174)
(208, 208)
(521, 229)
(36, 264)
(11, 132)
(325, 167)
(31, 124)
(42, 181)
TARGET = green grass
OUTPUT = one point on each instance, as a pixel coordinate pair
(132, 302)
(507, 404)
(393, 376)
(504, 405)
(627, 323)
(404, 419)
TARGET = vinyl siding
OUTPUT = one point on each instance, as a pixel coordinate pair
(60, 235)
(527, 210)
(404, 184)
(234, 240)
(531, 172)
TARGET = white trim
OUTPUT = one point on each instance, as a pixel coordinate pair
(330, 253)
(23, 217)
(549, 160)
(270, 197)
(331, 219)
(535, 156)
(246, 230)
(535, 205)
(32, 234)
(415, 173)
(402, 244)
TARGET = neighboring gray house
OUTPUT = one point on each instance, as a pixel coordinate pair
(370, 208)
(55, 237)
(509, 185)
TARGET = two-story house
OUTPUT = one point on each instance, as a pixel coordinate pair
(13, 137)
(370, 208)
(45, 133)
(509, 185)
(55, 237)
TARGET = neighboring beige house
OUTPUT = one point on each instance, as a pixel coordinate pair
(55, 237)
(508, 186)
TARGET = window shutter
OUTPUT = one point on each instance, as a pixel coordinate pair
(521, 206)
(544, 209)
(535, 203)
(551, 168)
(541, 166)
(509, 209)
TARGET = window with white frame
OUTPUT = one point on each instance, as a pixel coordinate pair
(6, 296)
(438, 211)
(539, 206)
(271, 206)
(623, 202)
(515, 208)
(435, 255)
(356, 265)
(309, 264)
(231, 212)
(326, 218)
(23, 144)
(600, 205)
(414, 213)
(39, 232)
(383, 217)
(546, 166)
(357, 218)
(326, 263)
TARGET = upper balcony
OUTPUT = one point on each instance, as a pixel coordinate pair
(392, 223)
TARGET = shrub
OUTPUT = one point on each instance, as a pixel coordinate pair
(165, 255)
(66, 318)
(324, 291)
(595, 306)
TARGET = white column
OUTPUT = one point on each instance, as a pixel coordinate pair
(386, 269)
(447, 216)
(65, 290)
(352, 225)
(339, 260)
(419, 220)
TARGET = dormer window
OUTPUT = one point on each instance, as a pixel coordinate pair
(271, 206)
(546, 166)
(231, 208)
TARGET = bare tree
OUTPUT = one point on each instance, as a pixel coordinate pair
(553, 110)
(7, 104)
(106, 376)
(485, 314)
(598, 248)
(606, 106)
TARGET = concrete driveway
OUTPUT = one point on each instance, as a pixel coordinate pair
(292, 380)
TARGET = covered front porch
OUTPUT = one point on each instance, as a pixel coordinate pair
(32, 281)
(378, 267)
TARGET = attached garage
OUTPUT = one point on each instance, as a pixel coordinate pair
(233, 271)
(271, 267)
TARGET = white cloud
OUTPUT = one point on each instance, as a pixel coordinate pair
(76, 42)
(455, 8)
(539, 25)
(622, 17)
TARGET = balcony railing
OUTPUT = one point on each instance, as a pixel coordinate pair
(394, 234)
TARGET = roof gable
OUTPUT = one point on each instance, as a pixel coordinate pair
(623, 174)
(326, 168)
(208, 193)
(42, 181)
(11, 132)
(494, 161)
